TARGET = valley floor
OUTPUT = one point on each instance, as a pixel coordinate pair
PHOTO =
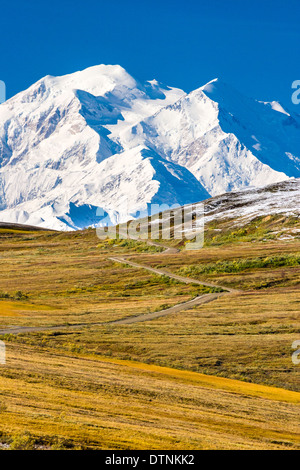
(213, 376)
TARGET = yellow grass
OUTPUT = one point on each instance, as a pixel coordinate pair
(166, 384)
(103, 403)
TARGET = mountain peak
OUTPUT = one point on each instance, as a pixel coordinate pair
(210, 84)
(97, 137)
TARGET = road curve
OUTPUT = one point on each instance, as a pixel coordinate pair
(161, 272)
(203, 299)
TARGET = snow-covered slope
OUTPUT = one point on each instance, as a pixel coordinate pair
(230, 210)
(58, 161)
(227, 141)
(100, 139)
(243, 206)
(121, 185)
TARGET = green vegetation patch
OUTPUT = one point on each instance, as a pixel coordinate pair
(239, 265)
(18, 295)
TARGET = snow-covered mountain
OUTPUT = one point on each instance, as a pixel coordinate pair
(100, 139)
(226, 140)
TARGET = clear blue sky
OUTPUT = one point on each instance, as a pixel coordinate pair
(254, 45)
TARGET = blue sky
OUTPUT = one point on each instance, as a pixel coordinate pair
(253, 45)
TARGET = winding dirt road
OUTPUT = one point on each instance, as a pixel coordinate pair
(203, 299)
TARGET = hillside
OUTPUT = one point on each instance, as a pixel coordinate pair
(214, 375)
(273, 211)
